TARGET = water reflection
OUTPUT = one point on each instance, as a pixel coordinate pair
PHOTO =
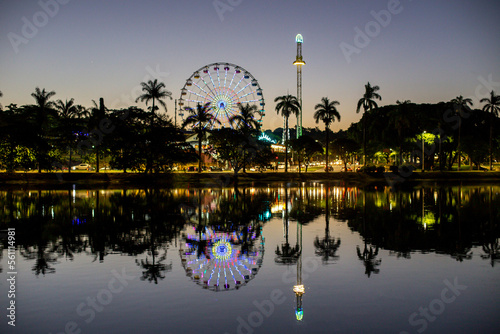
(53, 226)
(328, 246)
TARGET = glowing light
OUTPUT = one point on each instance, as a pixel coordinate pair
(299, 289)
(299, 38)
(299, 314)
(222, 250)
(265, 137)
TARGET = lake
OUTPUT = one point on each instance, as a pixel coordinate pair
(281, 258)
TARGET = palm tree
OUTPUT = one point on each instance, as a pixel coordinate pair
(326, 112)
(246, 122)
(154, 91)
(368, 103)
(493, 107)
(42, 108)
(245, 119)
(400, 121)
(200, 118)
(461, 104)
(42, 102)
(287, 105)
(66, 109)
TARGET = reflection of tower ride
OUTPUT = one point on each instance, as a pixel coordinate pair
(299, 287)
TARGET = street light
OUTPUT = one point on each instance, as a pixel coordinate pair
(423, 164)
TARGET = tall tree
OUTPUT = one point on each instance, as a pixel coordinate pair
(245, 119)
(287, 105)
(154, 91)
(67, 111)
(1, 94)
(246, 123)
(368, 103)
(326, 112)
(399, 119)
(461, 104)
(493, 107)
(200, 119)
(43, 108)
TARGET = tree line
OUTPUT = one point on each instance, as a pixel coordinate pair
(55, 134)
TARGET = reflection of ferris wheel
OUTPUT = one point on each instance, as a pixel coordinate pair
(218, 262)
(225, 87)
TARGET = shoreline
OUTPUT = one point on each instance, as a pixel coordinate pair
(221, 179)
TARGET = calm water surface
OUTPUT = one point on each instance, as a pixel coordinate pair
(296, 258)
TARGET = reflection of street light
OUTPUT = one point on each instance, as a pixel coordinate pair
(423, 151)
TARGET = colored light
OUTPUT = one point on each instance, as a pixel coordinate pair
(299, 38)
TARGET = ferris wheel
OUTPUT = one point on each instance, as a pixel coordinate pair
(225, 87)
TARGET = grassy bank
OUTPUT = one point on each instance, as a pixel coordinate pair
(89, 179)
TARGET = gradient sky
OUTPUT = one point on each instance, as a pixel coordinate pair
(431, 51)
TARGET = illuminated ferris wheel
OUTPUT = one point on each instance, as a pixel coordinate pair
(225, 87)
(218, 261)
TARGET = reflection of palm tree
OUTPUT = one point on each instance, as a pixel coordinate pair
(43, 259)
(369, 258)
(328, 246)
(287, 254)
(492, 251)
(154, 270)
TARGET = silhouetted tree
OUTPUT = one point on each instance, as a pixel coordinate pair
(493, 107)
(326, 112)
(368, 103)
(287, 105)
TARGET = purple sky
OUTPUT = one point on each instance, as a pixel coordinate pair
(430, 51)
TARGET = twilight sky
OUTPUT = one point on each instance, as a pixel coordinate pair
(425, 51)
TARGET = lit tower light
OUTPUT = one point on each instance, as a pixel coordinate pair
(299, 62)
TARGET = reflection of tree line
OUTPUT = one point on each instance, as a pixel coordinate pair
(445, 220)
(56, 225)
